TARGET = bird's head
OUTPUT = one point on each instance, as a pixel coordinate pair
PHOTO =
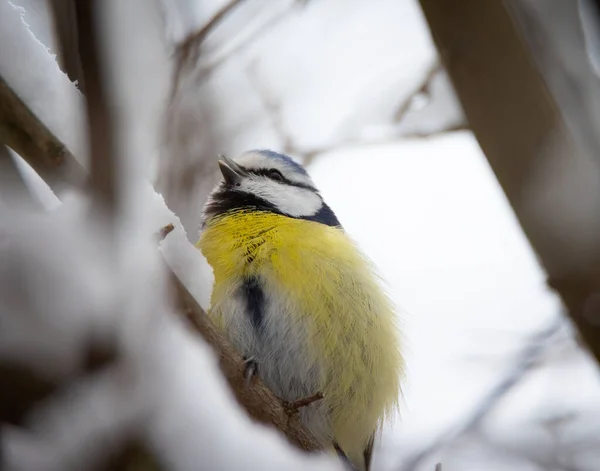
(263, 180)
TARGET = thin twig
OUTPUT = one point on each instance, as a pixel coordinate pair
(527, 360)
(308, 155)
(195, 40)
(188, 50)
(423, 88)
(436, 133)
(209, 66)
(293, 407)
(272, 106)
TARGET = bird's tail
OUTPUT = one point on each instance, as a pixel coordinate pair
(358, 463)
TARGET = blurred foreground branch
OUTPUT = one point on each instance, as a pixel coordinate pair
(65, 28)
(552, 185)
(23, 132)
(13, 190)
(100, 114)
(260, 403)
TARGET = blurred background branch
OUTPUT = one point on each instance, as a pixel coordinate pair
(527, 359)
(423, 88)
(188, 50)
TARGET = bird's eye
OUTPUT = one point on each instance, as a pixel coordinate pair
(275, 174)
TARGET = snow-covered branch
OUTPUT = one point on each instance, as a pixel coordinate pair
(31, 139)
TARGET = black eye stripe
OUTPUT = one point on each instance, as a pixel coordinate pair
(268, 172)
(274, 174)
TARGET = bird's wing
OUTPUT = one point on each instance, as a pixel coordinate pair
(368, 453)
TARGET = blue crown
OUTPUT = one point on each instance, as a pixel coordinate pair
(284, 158)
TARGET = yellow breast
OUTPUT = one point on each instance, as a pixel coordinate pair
(349, 321)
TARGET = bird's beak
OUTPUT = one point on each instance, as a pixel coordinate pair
(231, 170)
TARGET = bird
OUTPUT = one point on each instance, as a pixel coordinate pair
(297, 298)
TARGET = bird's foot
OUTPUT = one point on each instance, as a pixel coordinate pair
(292, 407)
(250, 369)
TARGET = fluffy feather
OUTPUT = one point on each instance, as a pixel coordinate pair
(326, 324)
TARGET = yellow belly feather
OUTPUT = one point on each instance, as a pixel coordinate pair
(334, 289)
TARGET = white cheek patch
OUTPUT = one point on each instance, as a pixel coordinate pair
(292, 200)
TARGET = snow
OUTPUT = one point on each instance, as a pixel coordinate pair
(429, 212)
(38, 187)
(38, 326)
(37, 79)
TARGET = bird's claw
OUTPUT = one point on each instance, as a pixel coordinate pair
(250, 370)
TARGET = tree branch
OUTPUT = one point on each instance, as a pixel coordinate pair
(101, 125)
(188, 50)
(65, 27)
(272, 107)
(212, 64)
(257, 399)
(23, 132)
(527, 359)
(192, 43)
(522, 130)
(423, 88)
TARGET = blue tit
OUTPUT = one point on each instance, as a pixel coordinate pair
(293, 292)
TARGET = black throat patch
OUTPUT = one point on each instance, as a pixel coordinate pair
(226, 199)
